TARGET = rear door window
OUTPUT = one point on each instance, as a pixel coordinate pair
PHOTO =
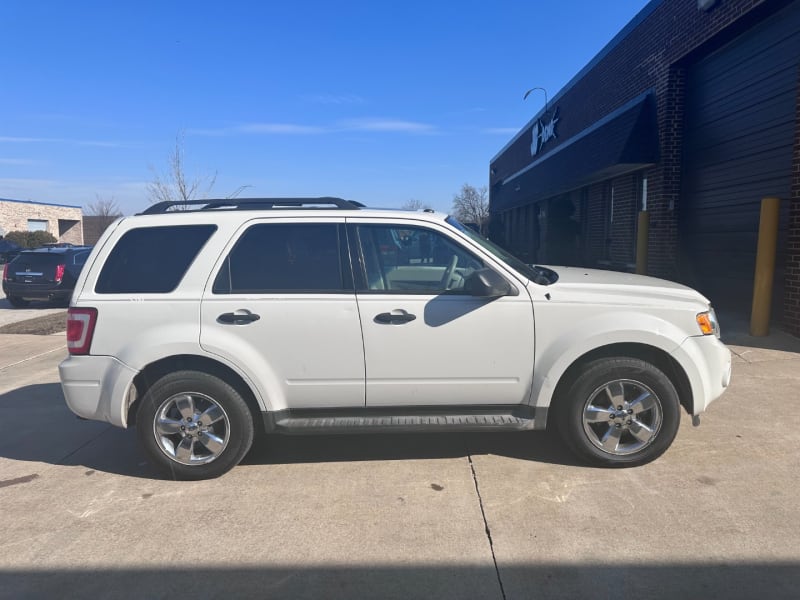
(286, 258)
(152, 259)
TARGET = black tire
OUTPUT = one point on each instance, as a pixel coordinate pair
(636, 428)
(166, 406)
(18, 302)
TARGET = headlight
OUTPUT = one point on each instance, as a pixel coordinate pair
(707, 322)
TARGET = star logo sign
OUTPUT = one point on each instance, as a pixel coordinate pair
(542, 132)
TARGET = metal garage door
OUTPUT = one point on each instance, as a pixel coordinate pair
(740, 117)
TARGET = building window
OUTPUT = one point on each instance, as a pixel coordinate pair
(643, 193)
(641, 206)
(611, 205)
(37, 225)
(608, 218)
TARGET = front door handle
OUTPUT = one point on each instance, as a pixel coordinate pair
(398, 317)
(240, 317)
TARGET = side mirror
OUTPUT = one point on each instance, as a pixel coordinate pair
(487, 283)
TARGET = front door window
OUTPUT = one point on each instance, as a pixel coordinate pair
(411, 260)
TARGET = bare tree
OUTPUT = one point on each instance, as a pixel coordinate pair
(414, 204)
(103, 207)
(471, 205)
(104, 210)
(175, 185)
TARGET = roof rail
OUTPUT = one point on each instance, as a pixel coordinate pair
(250, 204)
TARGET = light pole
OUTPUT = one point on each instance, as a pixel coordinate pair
(525, 97)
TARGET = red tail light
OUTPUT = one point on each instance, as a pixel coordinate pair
(5, 272)
(60, 272)
(80, 329)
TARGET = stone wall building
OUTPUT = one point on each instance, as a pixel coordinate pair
(63, 221)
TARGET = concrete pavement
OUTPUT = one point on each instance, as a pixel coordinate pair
(9, 314)
(82, 514)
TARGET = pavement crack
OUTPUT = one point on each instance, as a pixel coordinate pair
(486, 526)
(30, 358)
(82, 446)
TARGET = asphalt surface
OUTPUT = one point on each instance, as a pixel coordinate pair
(83, 514)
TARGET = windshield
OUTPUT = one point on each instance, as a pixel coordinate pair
(537, 274)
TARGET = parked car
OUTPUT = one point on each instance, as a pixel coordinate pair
(8, 250)
(204, 327)
(58, 245)
(43, 274)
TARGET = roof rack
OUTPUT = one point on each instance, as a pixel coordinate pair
(250, 204)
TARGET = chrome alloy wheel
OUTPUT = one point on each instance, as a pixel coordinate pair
(191, 428)
(622, 417)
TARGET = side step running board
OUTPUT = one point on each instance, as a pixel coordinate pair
(423, 419)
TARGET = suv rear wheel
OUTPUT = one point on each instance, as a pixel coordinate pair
(620, 412)
(194, 425)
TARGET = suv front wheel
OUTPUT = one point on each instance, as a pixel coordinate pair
(619, 412)
(194, 425)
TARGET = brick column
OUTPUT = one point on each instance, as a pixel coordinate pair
(664, 181)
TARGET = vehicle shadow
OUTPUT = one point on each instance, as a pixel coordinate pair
(38, 411)
(539, 446)
(32, 305)
(625, 578)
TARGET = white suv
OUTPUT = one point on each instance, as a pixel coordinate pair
(205, 326)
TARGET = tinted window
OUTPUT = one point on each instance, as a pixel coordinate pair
(37, 261)
(79, 258)
(152, 259)
(34, 264)
(283, 257)
(411, 259)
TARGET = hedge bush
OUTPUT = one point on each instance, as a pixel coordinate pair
(30, 239)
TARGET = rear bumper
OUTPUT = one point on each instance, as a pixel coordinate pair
(36, 291)
(97, 387)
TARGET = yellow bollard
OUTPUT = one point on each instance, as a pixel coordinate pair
(641, 242)
(765, 266)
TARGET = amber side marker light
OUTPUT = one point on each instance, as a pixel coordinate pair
(707, 323)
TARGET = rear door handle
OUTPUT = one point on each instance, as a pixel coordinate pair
(392, 317)
(240, 317)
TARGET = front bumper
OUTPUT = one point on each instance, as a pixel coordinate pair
(97, 387)
(707, 363)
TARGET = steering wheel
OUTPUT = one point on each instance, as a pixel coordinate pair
(448, 272)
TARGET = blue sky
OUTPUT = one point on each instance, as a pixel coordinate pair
(376, 101)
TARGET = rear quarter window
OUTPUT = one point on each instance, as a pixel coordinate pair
(152, 260)
(79, 259)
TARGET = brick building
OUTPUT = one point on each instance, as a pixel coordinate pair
(691, 113)
(94, 226)
(62, 220)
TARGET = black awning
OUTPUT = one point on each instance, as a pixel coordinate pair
(624, 141)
